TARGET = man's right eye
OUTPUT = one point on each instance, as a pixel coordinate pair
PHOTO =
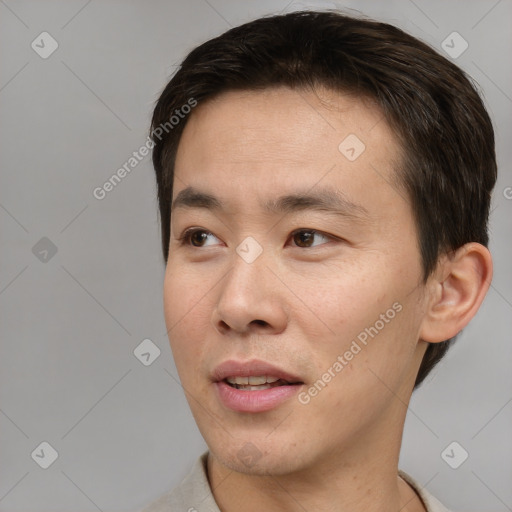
(196, 237)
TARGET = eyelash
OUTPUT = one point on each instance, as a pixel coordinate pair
(185, 238)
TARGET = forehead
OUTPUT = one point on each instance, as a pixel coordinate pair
(280, 139)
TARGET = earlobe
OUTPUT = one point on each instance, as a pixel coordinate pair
(457, 289)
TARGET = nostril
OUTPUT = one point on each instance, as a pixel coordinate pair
(224, 325)
(260, 322)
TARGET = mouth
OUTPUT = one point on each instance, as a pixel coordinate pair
(257, 383)
(254, 386)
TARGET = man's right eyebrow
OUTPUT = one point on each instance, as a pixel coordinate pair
(192, 198)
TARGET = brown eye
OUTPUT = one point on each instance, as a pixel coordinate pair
(306, 238)
(303, 238)
(198, 238)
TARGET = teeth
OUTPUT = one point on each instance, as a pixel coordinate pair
(256, 381)
(238, 380)
(253, 381)
(253, 388)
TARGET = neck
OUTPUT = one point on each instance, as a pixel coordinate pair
(353, 479)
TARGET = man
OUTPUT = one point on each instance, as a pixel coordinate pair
(324, 186)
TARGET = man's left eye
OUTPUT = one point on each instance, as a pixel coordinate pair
(308, 237)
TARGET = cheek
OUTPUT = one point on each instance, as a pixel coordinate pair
(186, 291)
(187, 316)
(342, 298)
(357, 392)
(370, 318)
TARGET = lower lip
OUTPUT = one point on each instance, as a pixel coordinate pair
(254, 401)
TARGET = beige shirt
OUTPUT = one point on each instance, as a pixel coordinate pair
(194, 494)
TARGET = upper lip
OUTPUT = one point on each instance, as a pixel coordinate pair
(252, 368)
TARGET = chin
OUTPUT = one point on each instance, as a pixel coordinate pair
(258, 455)
(248, 459)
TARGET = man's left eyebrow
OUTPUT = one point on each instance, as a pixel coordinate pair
(324, 200)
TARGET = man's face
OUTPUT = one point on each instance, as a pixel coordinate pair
(327, 298)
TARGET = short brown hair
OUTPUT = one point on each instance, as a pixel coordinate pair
(449, 164)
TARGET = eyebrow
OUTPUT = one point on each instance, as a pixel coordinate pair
(322, 199)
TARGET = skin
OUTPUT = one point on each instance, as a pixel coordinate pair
(301, 307)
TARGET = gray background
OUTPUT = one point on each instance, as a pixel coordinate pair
(69, 325)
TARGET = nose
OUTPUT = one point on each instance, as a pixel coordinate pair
(250, 300)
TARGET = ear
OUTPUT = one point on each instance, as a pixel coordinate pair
(456, 290)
